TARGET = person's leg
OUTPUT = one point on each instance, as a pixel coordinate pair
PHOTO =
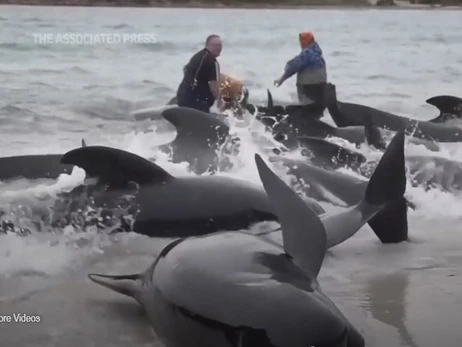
(312, 98)
(311, 93)
(202, 106)
(185, 100)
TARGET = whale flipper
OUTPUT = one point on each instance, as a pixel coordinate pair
(303, 234)
(129, 285)
(450, 107)
(373, 135)
(114, 166)
(330, 154)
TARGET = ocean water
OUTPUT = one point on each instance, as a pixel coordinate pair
(54, 94)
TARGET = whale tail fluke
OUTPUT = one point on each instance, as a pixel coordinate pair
(387, 186)
(330, 94)
(173, 101)
(114, 166)
(303, 234)
(332, 104)
(450, 107)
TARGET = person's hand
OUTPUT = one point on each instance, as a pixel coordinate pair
(279, 81)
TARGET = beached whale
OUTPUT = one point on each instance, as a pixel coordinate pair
(225, 289)
(184, 206)
(426, 171)
(288, 128)
(347, 114)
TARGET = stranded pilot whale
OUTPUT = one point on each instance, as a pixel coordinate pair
(185, 206)
(347, 114)
(426, 171)
(34, 166)
(289, 129)
(225, 289)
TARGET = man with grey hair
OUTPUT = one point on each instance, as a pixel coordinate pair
(200, 85)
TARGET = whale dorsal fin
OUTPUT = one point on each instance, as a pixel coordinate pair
(84, 144)
(303, 234)
(115, 166)
(445, 103)
(196, 128)
(449, 106)
(270, 105)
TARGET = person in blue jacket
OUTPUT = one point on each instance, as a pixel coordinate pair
(310, 67)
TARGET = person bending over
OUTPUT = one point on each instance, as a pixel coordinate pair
(199, 88)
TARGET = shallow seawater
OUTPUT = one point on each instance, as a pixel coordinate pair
(52, 95)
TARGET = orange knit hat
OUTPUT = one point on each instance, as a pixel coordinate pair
(305, 38)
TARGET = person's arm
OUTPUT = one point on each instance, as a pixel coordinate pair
(213, 75)
(297, 64)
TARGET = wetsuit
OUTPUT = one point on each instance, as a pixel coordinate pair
(194, 90)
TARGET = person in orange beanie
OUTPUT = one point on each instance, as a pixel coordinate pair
(310, 67)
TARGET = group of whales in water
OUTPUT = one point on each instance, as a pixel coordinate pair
(219, 284)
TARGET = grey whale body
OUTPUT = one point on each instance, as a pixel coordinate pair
(186, 206)
(348, 114)
(173, 206)
(426, 171)
(235, 282)
(291, 129)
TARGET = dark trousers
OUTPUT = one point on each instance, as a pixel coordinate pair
(186, 99)
(314, 92)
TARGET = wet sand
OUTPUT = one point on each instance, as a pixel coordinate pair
(404, 295)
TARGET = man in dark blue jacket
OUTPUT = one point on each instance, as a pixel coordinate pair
(200, 85)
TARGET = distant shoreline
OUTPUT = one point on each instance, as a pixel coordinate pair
(227, 4)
